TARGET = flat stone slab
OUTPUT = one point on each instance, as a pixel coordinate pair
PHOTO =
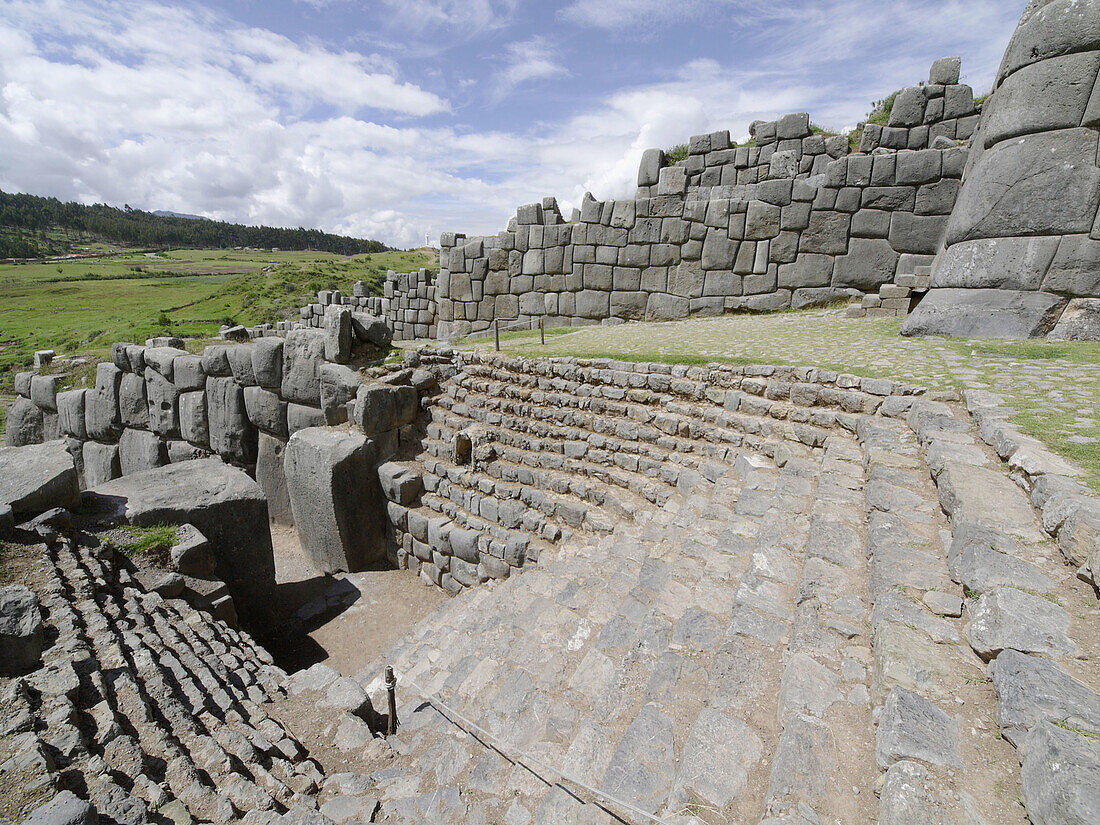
(226, 506)
(1033, 690)
(985, 313)
(1010, 618)
(1061, 776)
(37, 478)
(912, 727)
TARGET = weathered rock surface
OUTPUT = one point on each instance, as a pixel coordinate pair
(985, 313)
(38, 477)
(1061, 776)
(21, 635)
(335, 499)
(1009, 618)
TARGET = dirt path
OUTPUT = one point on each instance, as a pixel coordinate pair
(347, 620)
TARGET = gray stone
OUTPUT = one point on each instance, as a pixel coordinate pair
(818, 296)
(371, 329)
(7, 522)
(44, 391)
(1048, 29)
(464, 546)
(338, 387)
(807, 688)
(170, 585)
(336, 499)
(1075, 270)
(272, 479)
(1080, 321)
(870, 262)
(25, 423)
(643, 766)
(913, 795)
(267, 362)
(70, 413)
(179, 450)
(38, 477)
(192, 554)
(995, 263)
(908, 108)
(101, 463)
(193, 424)
(1032, 690)
(919, 234)
(803, 762)
(300, 417)
(649, 170)
(1042, 97)
(215, 361)
(662, 307)
(338, 334)
(1045, 184)
(162, 359)
(696, 778)
(266, 411)
(163, 399)
(1061, 776)
(240, 364)
(21, 634)
(187, 373)
(133, 401)
(1009, 618)
(400, 482)
(911, 727)
(303, 355)
(140, 450)
(231, 433)
(981, 568)
(64, 809)
(101, 416)
(225, 505)
(985, 313)
(945, 71)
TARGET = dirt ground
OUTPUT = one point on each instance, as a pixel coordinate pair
(346, 620)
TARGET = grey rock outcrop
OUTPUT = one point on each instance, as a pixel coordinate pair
(21, 635)
(38, 477)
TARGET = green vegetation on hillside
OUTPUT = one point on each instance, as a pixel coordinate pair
(83, 306)
(34, 227)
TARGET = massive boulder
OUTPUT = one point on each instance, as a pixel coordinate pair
(38, 477)
(1025, 221)
(21, 636)
(336, 499)
(226, 505)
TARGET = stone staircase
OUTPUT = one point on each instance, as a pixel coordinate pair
(894, 300)
(783, 640)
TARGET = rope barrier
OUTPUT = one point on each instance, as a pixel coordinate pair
(499, 746)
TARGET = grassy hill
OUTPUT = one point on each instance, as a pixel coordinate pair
(82, 306)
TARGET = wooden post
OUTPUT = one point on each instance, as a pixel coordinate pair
(496, 333)
(391, 695)
(542, 330)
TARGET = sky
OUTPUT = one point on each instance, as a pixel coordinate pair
(400, 119)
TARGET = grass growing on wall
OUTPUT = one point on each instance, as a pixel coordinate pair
(156, 540)
(677, 153)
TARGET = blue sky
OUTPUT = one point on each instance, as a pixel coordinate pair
(391, 119)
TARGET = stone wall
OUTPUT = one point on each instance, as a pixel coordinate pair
(1023, 243)
(791, 221)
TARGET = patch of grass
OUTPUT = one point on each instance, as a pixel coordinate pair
(820, 130)
(156, 540)
(881, 109)
(677, 153)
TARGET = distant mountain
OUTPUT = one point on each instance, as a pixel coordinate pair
(35, 227)
(164, 213)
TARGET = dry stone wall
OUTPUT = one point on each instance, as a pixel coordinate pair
(1023, 243)
(792, 221)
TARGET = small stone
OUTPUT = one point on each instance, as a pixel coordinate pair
(170, 586)
(943, 604)
(913, 727)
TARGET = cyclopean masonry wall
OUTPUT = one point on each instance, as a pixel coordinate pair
(407, 308)
(791, 221)
(1023, 242)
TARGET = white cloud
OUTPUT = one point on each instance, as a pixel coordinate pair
(533, 59)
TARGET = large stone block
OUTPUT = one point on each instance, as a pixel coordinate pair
(193, 425)
(338, 387)
(338, 334)
(1075, 270)
(38, 477)
(21, 632)
(70, 413)
(1042, 97)
(101, 415)
(995, 263)
(44, 391)
(908, 108)
(807, 270)
(649, 171)
(336, 499)
(663, 307)
(985, 313)
(826, 234)
(226, 506)
(140, 450)
(1080, 321)
(266, 411)
(133, 401)
(25, 424)
(101, 463)
(163, 360)
(1049, 29)
(187, 373)
(303, 355)
(267, 362)
(870, 263)
(1044, 184)
(271, 477)
(231, 433)
(920, 234)
(240, 364)
(164, 418)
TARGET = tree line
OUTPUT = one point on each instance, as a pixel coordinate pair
(26, 219)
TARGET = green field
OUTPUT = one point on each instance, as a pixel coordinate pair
(82, 306)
